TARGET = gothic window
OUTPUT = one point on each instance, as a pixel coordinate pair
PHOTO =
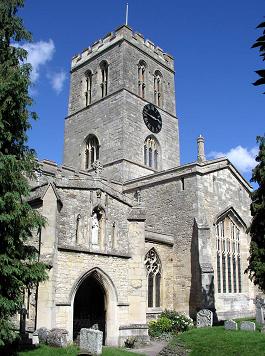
(141, 78)
(91, 151)
(88, 87)
(228, 268)
(158, 88)
(151, 152)
(104, 78)
(153, 268)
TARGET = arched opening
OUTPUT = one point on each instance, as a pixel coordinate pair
(89, 306)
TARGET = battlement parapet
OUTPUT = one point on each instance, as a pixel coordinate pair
(123, 32)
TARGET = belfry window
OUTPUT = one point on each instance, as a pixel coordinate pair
(88, 88)
(158, 88)
(153, 269)
(228, 268)
(91, 151)
(151, 152)
(141, 78)
(104, 78)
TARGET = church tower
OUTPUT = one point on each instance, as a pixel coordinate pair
(122, 108)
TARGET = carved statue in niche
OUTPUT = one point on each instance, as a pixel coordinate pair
(95, 229)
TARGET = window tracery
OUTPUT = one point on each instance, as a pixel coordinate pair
(141, 79)
(88, 88)
(104, 78)
(158, 88)
(153, 268)
(151, 152)
(91, 151)
(228, 263)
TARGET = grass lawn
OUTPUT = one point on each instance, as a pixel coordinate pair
(45, 350)
(217, 341)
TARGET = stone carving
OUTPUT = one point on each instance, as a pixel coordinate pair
(204, 318)
(91, 341)
(137, 196)
(98, 168)
(152, 262)
(248, 326)
(260, 310)
(230, 325)
(58, 337)
(95, 229)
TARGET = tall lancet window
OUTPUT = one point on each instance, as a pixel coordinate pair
(141, 78)
(228, 267)
(91, 151)
(88, 88)
(153, 269)
(158, 88)
(151, 152)
(104, 68)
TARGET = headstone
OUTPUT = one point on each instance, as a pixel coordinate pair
(260, 310)
(230, 325)
(58, 337)
(204, 318)
(263, 329)
(248, 326)
(35, 338)
(91, 341)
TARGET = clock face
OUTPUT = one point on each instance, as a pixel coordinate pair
(152, 118)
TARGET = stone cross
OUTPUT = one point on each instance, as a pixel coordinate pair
(260, 310)
(22, 324)
(204, 318)
(98, 168)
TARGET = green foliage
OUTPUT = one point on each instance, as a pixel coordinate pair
(18, 260)
(260, 43)
(170, 321)
(256, 268)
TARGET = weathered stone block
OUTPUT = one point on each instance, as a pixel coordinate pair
(230, 325)
(91, 341)
(204, 318)
(58, 337)
(248, 326)
(43, 334)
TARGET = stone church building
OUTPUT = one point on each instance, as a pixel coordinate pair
(131, 232)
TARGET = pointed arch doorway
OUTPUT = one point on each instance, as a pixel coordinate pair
(89, 306)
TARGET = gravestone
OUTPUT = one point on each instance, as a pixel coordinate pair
(43, 334)
(260, 310)
(230, 325)
(248, 326)
(35, 338)
(91, 341)
(22, 324)
(58, 337)
(204, 318)
(263, 329)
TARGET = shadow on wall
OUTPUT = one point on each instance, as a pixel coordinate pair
(202, 277)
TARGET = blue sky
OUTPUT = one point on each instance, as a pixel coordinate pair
(210, 41)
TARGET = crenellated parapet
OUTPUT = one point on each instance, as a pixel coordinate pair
(120, 34)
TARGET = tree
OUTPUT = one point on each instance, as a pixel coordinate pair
(260, 42)
(256, 268)
(19, 265)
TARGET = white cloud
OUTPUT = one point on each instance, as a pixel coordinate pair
(57, 80)
(39, 53)
(241, 157)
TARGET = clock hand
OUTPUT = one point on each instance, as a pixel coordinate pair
(153, 117)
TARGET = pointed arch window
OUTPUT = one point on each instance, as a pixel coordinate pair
(151, 154)
(88, 88)
(91, 151)
(158, 88)
(104, 68)
(141, 78)
(153, 269)
(228, 268)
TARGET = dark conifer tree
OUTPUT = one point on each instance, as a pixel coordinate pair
(19, 266)
(256, 268)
